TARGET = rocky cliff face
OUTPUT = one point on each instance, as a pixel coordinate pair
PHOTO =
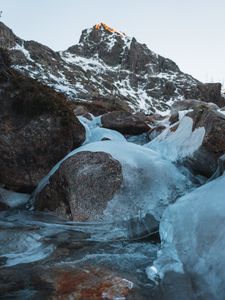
(108, 65)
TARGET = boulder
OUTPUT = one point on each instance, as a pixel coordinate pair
(80, 110)
(99, 106)
(204, 160)
(37, 129)
(124, 122)
(188, 104)
(82, 186)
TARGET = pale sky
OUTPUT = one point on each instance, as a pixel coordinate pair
(191, 32)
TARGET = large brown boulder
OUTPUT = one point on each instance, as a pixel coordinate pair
(82, 186)
(37, 129)
(124, 122)
(99, 106)
(205, 159)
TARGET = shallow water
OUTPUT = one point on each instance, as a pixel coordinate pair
(38, 246)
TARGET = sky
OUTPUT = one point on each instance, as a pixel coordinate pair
(190, 32)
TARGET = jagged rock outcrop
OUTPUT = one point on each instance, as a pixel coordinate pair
(37, 129)
(82, 186)
(107, 64)
(124, 122)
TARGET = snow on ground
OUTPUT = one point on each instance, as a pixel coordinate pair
(23, 50)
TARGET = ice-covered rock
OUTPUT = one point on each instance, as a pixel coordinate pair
(196, 139)
(181, 107)
(179, 144)
(193, 239)
(149, 181)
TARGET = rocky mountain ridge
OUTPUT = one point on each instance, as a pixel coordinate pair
(111, 66)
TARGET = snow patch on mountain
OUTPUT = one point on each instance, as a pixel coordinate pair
(106, 64)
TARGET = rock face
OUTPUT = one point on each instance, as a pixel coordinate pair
(124, 122)
(82, 186)
(37, 129)
(109, 65)
(205, 159)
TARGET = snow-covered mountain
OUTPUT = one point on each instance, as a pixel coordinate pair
(107, 64)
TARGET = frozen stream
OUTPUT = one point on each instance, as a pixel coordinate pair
(38, 248)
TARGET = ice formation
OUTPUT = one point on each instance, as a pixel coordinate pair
(13, 199)
(150, 182)
(22, 247)
(193, 239)
(179, 144)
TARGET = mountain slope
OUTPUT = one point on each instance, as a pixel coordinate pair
(105, 64)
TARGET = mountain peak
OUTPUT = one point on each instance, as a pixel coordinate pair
(107, 28)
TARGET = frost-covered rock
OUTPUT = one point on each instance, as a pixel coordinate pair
(193, 240)
(82, 186)
(124, 122)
